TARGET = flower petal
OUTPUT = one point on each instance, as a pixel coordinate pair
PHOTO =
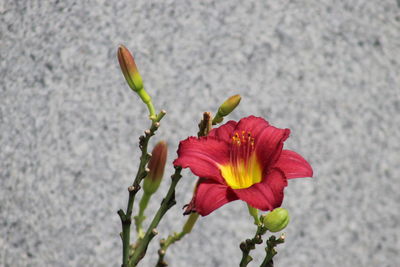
(269, 144)
(252, 124)
(224, 132)
(203, 156)
(293, 165)
(266, 195)
(211, 195)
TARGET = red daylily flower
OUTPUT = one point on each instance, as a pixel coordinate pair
(241, 160)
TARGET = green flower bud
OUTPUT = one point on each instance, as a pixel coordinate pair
(227, 107)
(276, 220)
(133, 78)
(129, 69)
(156, 166)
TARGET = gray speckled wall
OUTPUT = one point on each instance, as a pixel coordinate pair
(328, 70)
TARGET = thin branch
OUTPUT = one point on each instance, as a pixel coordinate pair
(166, 204)
(272, 242)
(126, 217)
(205, 127)
(164, 244)
(250, 244)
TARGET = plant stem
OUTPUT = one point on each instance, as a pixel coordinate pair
(272, 242)
(126, 217)
(254, 213)
(166, 204)
(217, 119)
(250, 244)
(205, 125)
(140, 217)
(151, 109)
(147, 100)
(164, 244)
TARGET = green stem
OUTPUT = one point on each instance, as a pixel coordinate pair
(272, 242)
(268, 262)
(147, 100)
(164, 244)
(217, 119)
(151, 109)
(166, 204)
(125, 237)
(191, 221)
(126, 217)
(205, 127)
(140, 217)
(254, 213)
(250, 244)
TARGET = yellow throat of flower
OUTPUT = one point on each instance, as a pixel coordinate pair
(243, 170)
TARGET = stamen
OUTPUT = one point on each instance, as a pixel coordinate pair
(243, 170)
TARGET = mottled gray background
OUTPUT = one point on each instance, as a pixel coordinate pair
(328, 70)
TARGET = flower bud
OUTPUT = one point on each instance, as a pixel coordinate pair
(276, 220)
(129, 69)
(227, 107)
(156, 166)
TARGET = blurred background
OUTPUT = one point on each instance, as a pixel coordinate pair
(69, 124)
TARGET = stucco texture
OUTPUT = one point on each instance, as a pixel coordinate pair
(69, 124)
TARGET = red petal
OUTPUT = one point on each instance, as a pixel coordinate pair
(211, 195)
(269, 144)
(254, 125)
(266, 195)
(224, 132)
(202, 156)
(293, 165)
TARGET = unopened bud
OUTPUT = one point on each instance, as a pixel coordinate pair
(129, 69)
(227, 107)
(276, 220)
(156, 168)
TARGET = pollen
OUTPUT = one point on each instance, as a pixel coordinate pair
(243, 169)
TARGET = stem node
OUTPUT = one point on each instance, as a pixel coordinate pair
(131, 188)
(154, 231)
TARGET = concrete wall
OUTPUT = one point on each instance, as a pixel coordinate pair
(328, 70)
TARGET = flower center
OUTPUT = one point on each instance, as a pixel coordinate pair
(243, 170)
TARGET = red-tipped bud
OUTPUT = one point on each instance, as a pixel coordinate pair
(129, 69)
(156, 166)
